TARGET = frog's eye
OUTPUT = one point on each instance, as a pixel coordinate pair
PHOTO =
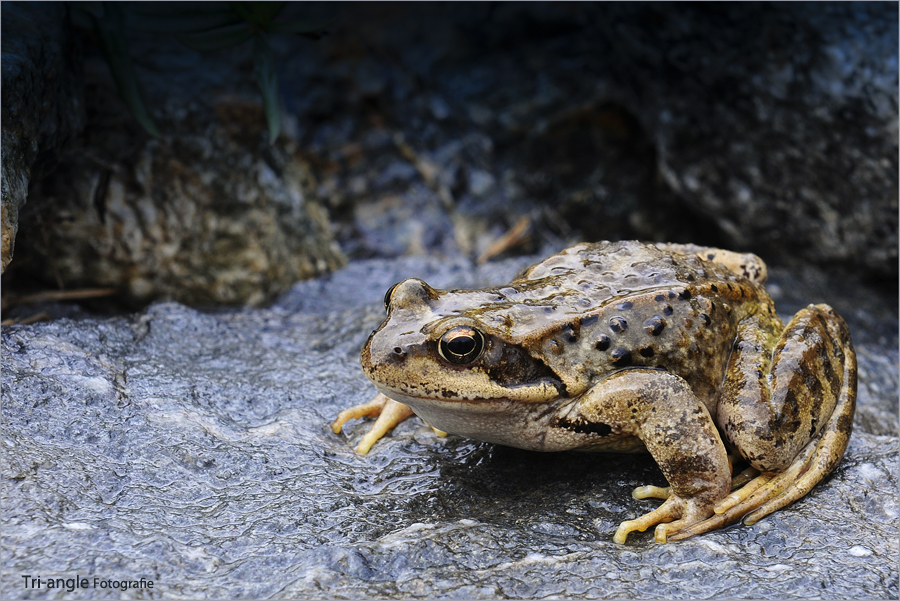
(461, 345)
(387, 297)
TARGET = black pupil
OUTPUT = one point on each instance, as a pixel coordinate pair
(461, 345)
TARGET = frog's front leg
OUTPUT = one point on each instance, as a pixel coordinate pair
(389, 412)
(661, 409)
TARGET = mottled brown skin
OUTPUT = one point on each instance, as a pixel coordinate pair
(624, 346)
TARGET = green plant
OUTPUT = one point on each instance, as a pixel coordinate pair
(203, 26)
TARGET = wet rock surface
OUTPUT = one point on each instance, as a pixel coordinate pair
(194, 449)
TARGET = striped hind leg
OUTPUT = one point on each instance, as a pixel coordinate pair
(789, 413)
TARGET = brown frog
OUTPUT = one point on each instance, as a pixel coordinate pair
(625, 347)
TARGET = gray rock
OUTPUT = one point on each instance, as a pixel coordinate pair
(776, 121)
(208, 213)
(42, 101)
(769, 127)
(766, 127)
(179, 221)
(194, 449)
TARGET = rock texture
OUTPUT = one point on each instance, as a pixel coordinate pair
(42, 101)
(808, 97)
(428, 129)
(208, 213)
(194, 450)
(205, 217)
(770, 127)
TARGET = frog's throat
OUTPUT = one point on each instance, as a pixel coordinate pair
(499, 420)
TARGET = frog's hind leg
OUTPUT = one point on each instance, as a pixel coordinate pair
(794, 430)
(664, 492)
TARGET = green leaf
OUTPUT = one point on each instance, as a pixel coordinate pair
(112, 39)
(214, 39)
(306, 26)
(266, 77)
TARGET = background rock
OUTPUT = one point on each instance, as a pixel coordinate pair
(765, 127)
(205, 217)
(209, 213)
(42, 101)
(195, 450)
(428, 129)
(808, 98)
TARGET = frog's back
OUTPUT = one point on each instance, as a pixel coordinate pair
(591, 278)
(598, 308)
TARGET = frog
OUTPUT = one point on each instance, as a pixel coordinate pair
(627, 347)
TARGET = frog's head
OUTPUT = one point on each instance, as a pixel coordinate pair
(433, 349)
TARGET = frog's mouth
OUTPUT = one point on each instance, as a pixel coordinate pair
(539, 392)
